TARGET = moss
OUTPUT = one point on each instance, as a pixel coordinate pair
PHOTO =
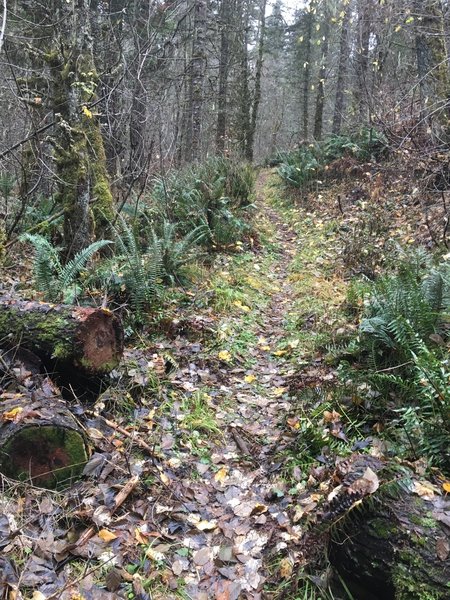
(51, 448)
(382, 528)
(408, 588)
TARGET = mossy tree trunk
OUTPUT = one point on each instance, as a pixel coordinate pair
(394, 547)
(84, 188)
(87, 339)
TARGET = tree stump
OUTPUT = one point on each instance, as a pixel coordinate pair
(395, 547)
(89, 339)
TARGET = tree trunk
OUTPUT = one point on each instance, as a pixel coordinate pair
(40, 441)
(432, 69)
(320, 98)
(394, 545)
(258, 75)
(198, 74)
(243, 83)
(84, 188)
(365, 15)
(224, 65)
(342, 71)
(307, 71)
(88, 339)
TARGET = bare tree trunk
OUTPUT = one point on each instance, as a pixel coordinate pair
(320, 98)
(307, 72)
(365, 14)
(198, 73)
(224, 65)
(432, 69)
(243, 83)
(342, 71)
(258, 73)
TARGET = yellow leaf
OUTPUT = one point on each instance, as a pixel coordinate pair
(279, 391)
(280, 352)
(86, 112)
(266, 348)
(206, 525)
(225, 355)
(249, 378)
(409, 20)
(140, 538)
(446, 486)
(38, 596)
(106, 535)
(221, 474)
(286, 568)
(10, 415)
(397, 28)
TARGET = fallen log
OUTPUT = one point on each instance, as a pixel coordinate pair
(395, 546)
(89, 339)
(40, 440)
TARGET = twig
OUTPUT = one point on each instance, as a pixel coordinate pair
(118, 501)
(131, 436)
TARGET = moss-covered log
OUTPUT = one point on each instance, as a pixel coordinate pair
(89, 339)
(394, 547)
(40, 441)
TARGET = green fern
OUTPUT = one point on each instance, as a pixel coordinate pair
(174, 252)
(55, 280)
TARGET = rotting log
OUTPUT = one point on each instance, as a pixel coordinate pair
(394, 547)
(89, 339)
(40, 440)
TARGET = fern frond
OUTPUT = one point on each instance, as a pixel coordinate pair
(71, 270)
(47, 265)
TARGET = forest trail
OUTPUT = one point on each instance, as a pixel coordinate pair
(237, 500)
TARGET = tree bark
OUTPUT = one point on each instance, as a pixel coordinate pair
(320, 98)
(342, 71)
(224, 65)
(88, 339)
(258, 75)
(198, 74)
(432, 69)
(307, 70)
(84, 187)
(393, 546)
(40, 441)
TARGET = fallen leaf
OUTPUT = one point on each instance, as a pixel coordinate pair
(11, 415)
(206, 525)
(279, 391)
(286, 568)
(446, 486)
(442, 548)
(225, 355)
(106, 535)
(202, 556)
(249, 378)
(221, 474)
(423, 491)
(153, 554)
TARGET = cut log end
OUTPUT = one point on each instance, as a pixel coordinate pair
(46, 456)
(100, 340)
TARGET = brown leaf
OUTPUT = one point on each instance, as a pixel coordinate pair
(201, 557)
(442, 548)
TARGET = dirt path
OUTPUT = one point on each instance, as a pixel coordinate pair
(236, 502)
